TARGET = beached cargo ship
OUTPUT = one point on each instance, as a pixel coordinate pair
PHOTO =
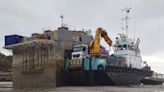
(121, 68)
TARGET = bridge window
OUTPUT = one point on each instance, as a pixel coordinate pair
(124, 47)
(120, 47)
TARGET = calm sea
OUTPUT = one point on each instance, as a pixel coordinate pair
(7, 87)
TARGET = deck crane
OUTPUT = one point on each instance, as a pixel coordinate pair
(94, 47)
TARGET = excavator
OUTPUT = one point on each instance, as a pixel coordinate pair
(94, 47)
(90, 57)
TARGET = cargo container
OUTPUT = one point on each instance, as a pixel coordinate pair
(12, 39)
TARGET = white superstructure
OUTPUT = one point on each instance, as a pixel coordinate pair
(125, 47)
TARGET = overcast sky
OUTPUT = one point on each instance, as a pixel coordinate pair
(24, 17)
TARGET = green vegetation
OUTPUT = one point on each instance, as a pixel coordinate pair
(5, 63)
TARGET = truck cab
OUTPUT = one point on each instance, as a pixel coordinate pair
(79, 51)
(75, 62)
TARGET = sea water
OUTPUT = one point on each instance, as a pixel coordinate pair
(7, 87)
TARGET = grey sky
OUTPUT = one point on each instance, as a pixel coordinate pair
(28, 16)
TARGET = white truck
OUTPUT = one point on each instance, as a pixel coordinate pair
(79, 51)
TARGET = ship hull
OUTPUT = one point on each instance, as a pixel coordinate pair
(100, 77)
(152, 82)
(83, 78)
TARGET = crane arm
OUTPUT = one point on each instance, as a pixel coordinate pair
(95, 44)
(106, 38)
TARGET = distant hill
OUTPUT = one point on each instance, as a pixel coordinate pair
(5, 63)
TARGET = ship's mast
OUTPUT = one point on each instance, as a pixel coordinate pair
(126, 18)
(62, 23)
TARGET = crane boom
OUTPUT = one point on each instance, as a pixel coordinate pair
(95, 44)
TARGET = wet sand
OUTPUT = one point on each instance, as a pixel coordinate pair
(7, 87)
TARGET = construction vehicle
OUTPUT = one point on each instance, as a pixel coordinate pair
(94, 48)
(92, 57)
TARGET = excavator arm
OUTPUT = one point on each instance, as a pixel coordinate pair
(94, 47)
